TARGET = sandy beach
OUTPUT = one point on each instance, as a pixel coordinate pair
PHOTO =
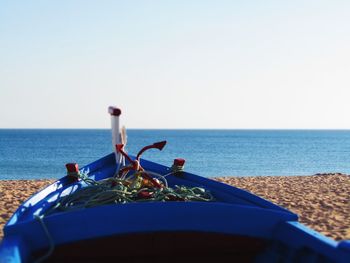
(322, 201)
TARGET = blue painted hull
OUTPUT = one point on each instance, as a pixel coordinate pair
(264, 232)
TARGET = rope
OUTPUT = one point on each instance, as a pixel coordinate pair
(133, 188)
(51, 243)
(113, 190)
(177, 168)
(123, 187)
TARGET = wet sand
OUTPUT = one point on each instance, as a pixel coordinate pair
(322, 201)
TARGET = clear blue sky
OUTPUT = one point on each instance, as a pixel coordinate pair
(175, 64)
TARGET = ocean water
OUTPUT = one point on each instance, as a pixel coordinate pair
(33, 154)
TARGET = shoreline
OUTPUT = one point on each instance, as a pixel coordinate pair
(321, 201)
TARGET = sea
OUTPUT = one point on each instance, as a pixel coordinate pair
(43, 153)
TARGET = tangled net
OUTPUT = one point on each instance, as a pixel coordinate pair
(124, 187)
(127, 186)
(132, 189)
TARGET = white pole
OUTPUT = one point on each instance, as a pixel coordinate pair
(116, 136)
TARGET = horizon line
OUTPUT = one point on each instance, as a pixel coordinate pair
(228, 129)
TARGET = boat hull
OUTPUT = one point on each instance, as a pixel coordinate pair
(237, 225)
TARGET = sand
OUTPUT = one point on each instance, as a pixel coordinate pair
(322, 201)
(15, 192)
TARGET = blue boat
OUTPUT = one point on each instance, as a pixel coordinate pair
(219, 223)
(237, 227)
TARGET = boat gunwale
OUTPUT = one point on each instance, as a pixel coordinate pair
(36, 201)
